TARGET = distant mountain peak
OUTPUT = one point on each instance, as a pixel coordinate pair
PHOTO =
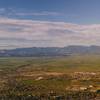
(51, 51)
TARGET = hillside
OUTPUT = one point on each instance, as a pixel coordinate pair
(51, 51)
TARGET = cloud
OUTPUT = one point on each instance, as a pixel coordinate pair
(21, 13)
(2, 10)
(44, 13)
(29, 33)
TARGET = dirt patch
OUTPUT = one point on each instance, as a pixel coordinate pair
(43, 74)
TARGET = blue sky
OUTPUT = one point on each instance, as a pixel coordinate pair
(75, 11)
(47, 23)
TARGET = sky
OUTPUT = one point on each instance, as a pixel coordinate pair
(49, 23)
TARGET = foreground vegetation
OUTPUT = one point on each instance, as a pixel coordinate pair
(50, 78)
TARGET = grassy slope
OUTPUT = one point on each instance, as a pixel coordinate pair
(58, 64)
(70, 64)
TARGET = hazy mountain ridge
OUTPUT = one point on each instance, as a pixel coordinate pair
(51, 51)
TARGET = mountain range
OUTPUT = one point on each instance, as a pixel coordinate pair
(50, 51)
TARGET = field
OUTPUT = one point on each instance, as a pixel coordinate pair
(74, 77)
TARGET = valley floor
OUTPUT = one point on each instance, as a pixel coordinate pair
(59, 78)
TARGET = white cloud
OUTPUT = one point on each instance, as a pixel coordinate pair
(22, 13)
(27, 33)
(44, 13)
(2, 10)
